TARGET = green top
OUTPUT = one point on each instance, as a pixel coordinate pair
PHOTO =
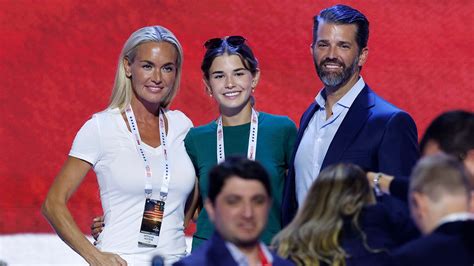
(276, 136)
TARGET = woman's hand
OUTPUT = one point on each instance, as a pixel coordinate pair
(106, 258)
(192, 206)
(97, 226)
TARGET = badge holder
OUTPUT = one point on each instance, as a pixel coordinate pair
(151, 223)
(153, 212)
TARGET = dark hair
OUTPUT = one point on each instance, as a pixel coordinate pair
(240, 167)
(342, 14)
(453, 131)
(242, 50)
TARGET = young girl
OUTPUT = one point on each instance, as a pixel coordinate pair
(231, 74)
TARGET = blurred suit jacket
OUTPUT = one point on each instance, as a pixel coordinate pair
(214, 252)
(450, 244)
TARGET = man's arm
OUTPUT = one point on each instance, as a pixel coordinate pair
(395, 186)
(398, 150)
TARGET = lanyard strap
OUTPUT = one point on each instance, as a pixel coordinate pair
(263, 258)
(252, 138)
(138, 142)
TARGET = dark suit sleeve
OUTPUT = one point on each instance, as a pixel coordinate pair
(290, 142)
(398, 151)
(399, 187)
(404, 229)
(183, 262)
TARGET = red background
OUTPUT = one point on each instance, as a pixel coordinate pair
(58, 61)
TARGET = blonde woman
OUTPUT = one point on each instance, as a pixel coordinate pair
(136, 148)
(341, 224)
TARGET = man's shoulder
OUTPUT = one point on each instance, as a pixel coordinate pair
(384, 112)
(381, 105)
(197, 257)
(193, 259)
(437, 245)
(414, 252)
(211, 252)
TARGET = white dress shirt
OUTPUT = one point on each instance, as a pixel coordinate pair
(241, 259)
(318, 136)
(455, 217)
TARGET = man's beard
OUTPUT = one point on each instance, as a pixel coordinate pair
(334, 80)
(246, 243)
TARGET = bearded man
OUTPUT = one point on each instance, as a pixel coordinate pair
(347, 122)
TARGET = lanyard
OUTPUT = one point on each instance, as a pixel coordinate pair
(252, 138)
(263, 258)
(148, 174)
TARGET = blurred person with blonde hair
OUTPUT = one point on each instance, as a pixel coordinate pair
(341, 224)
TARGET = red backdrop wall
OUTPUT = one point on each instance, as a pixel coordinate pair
(58, 61)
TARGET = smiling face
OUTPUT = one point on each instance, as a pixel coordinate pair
(336, 55)
(152, 72)
(240, 210)
(230, 83)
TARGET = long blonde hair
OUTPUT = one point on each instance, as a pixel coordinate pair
(122, 91)
(340, 190)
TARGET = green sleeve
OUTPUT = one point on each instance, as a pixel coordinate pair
(191, 148)
(290, 143)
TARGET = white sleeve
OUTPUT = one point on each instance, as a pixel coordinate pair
(181, 124)
(86, 145)
(187, 123)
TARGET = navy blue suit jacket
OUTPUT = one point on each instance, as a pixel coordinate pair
(384, 231)
(450, 244)
(375, 135)
(214, 252)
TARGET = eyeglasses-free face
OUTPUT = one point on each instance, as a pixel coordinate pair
(234, 41)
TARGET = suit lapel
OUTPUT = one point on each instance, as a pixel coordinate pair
(218, 253)
(350, 127)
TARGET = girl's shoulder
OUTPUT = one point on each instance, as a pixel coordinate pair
(276, 120)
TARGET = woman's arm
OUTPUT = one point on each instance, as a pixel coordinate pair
(191, 204)
(55, 210)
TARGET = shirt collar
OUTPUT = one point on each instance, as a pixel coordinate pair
(346, 100)
(240, 257)
(453, 217)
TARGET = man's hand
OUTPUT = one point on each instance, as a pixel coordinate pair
(384, 181)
